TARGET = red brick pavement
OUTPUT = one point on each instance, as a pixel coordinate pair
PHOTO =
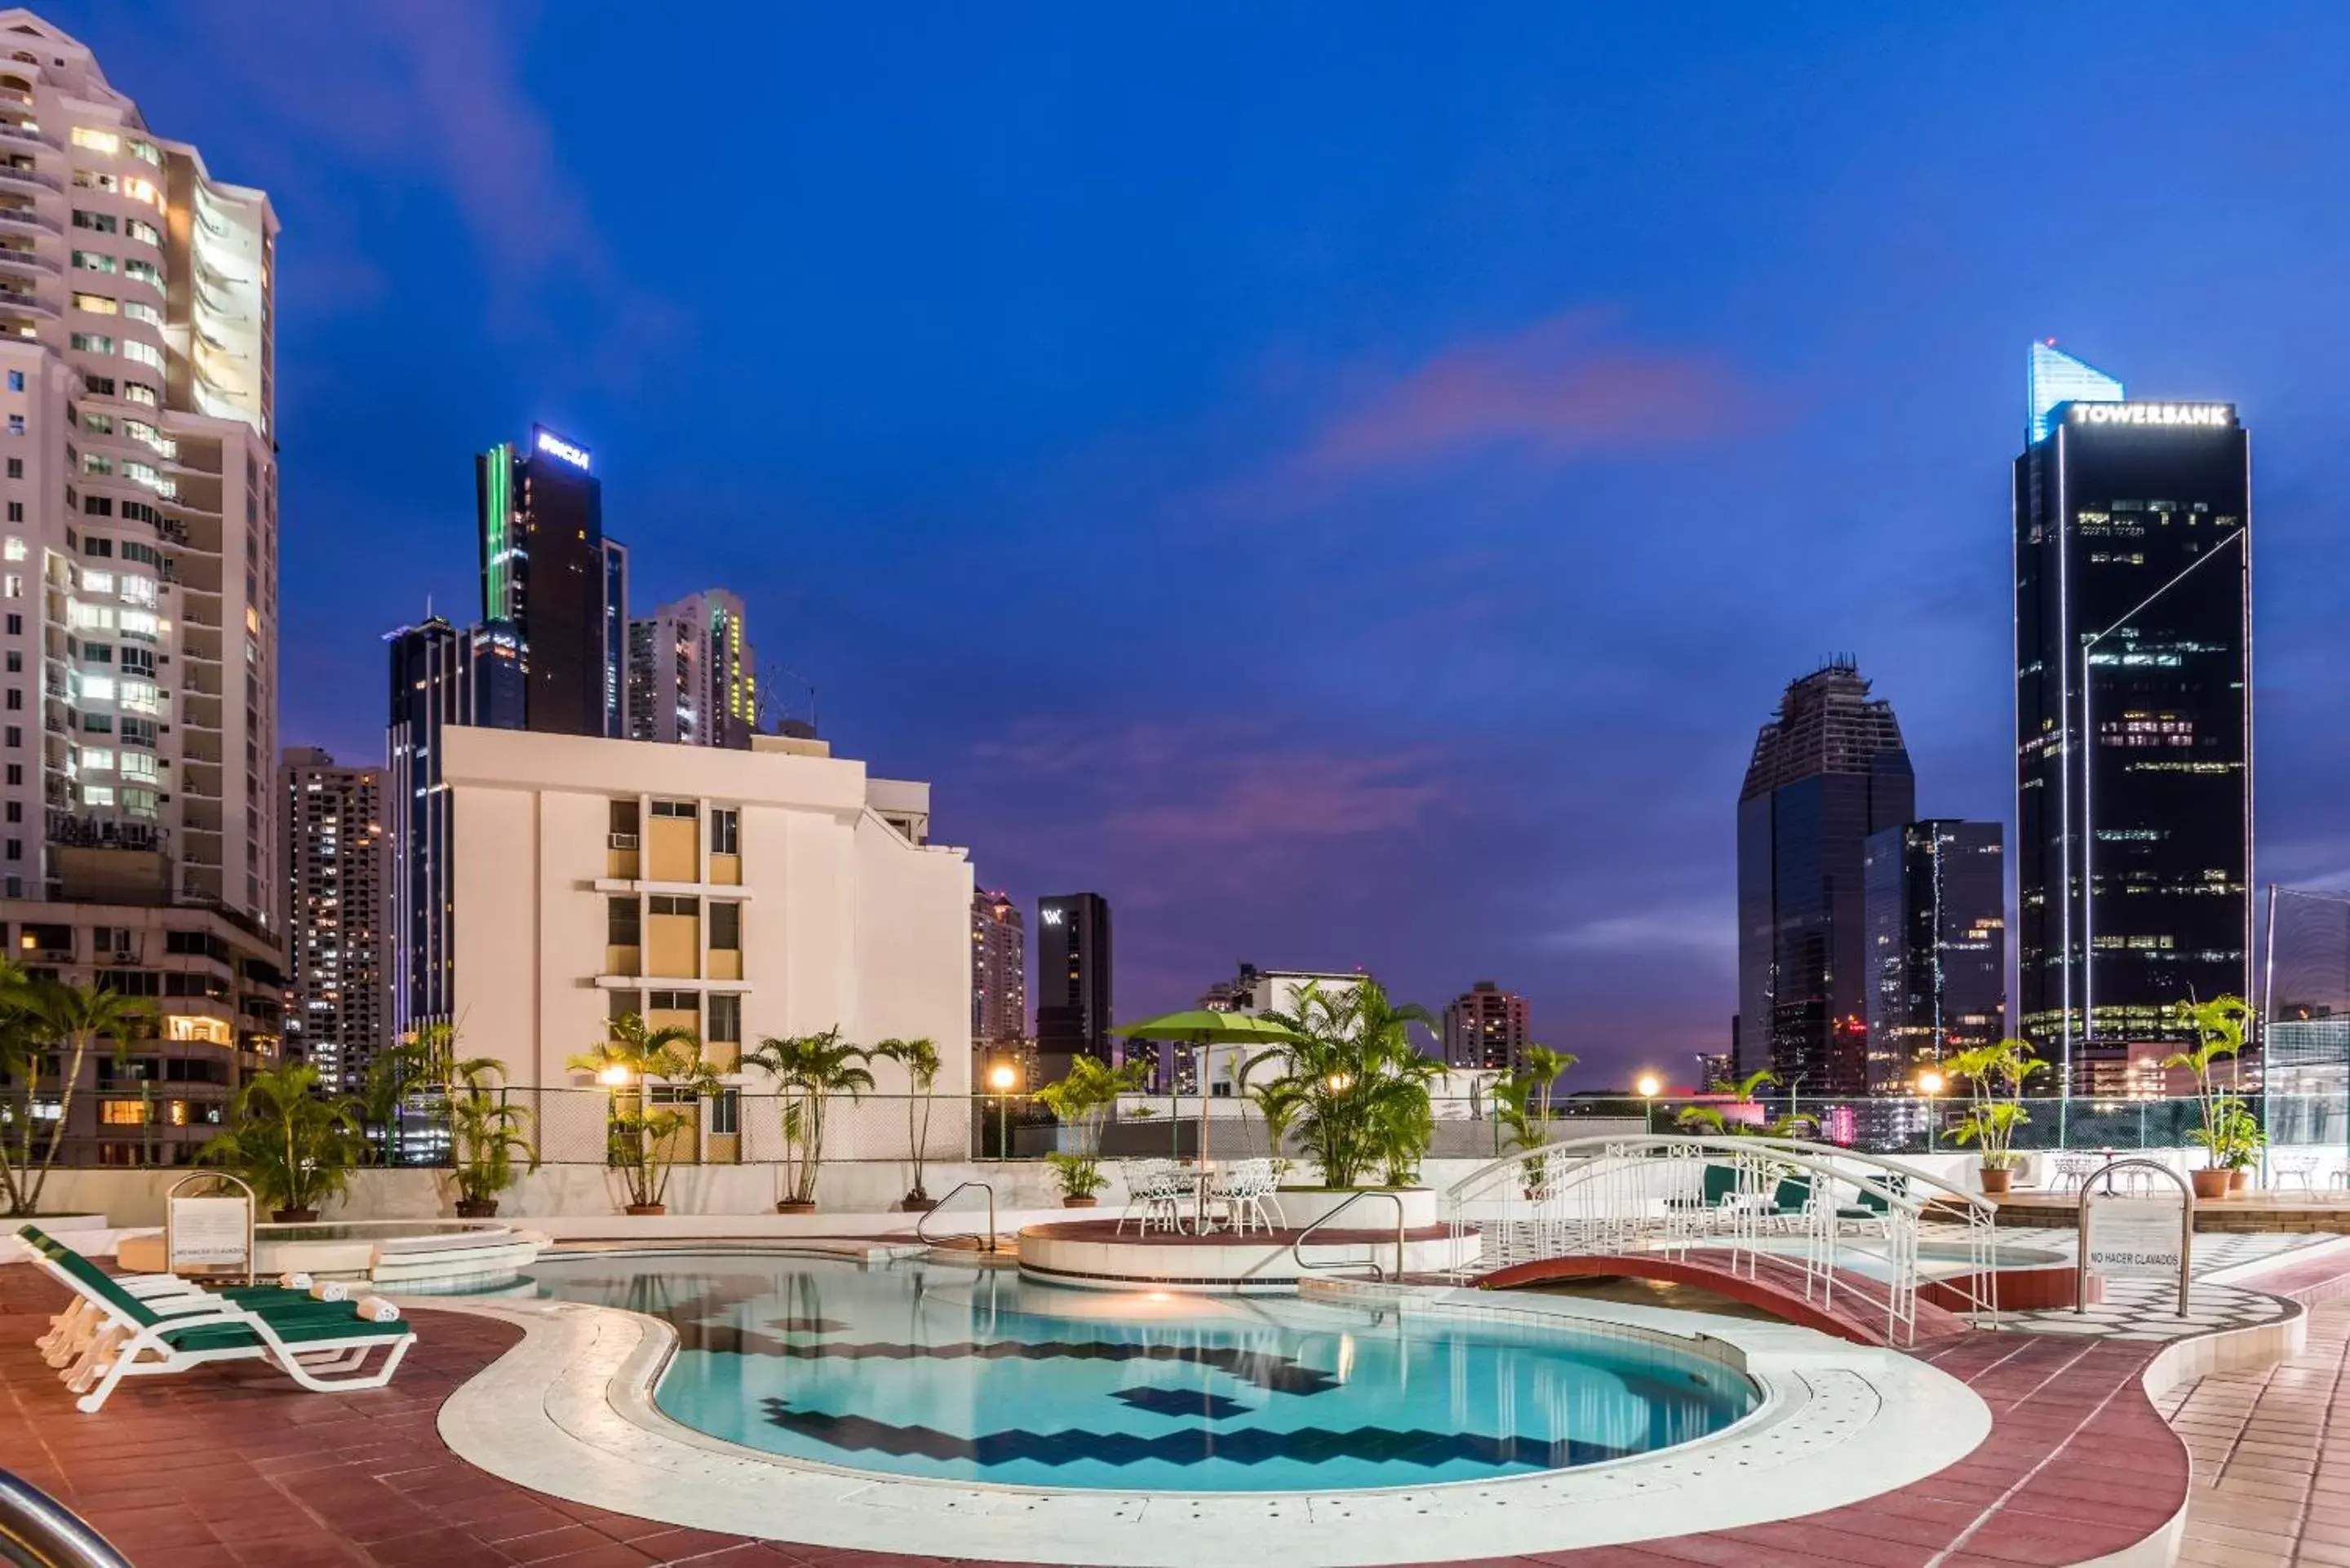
(232, 1466)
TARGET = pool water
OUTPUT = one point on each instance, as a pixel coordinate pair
(955, 1373)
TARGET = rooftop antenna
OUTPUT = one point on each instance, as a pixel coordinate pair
(767, 693)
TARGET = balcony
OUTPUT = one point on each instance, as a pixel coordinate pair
(12, 175)
(29, 260)
(26, 217)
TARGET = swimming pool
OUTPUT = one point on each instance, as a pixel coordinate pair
(951, 1373)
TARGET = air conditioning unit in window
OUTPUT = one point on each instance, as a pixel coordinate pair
(622, 841)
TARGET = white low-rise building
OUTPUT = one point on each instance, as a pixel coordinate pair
(773, 891)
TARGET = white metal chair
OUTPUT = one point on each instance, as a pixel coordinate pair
(1158, 1187)
(1242, 1188)
(2301, 1168)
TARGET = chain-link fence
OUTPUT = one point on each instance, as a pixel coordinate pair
(571, 1127)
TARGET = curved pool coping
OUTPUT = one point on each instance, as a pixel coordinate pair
(569, 1412)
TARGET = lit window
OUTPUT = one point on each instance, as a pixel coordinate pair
(13, 549)
(138, 623)
(95, 304)
(97, 688)
(144, 353)
(98, 759)
(139, 231)
(139, 766)
(122, 1113)
(96, 582)
(139, 590)
(91, 343)
(97, 140)
(12, 586)
(146, 312)
(97, 795)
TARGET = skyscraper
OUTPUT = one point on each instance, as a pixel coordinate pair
(2133, 664)
(1486, 1027)
(1073, 981)
(546, 571)
(692, 673)
(998, 971)
(1829, 771)
(137, 344)
(1935, 894)
(440, 677)
(139, 843)
(337, 980)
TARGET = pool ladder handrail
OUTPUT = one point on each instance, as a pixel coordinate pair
(1296, 1248)
(987, 1187)
(39, 1532)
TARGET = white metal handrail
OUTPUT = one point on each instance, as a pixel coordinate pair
(1296, 1248)
(1815, 1208)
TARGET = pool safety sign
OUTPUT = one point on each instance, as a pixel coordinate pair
(2134, 1237)
(209, 1231)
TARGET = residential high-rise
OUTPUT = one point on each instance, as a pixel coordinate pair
(616, 641)
(2134, 723)
(137, 340)
(691, 674)
(1934, 894)
(546, 572)
(139, 611)
(998, 971)
(1073, 981)
(1486, 1027)
(337, 979)
(1829, 771)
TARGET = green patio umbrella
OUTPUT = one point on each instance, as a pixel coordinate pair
(1205, 1026)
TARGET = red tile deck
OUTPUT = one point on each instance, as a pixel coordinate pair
(232, 1466)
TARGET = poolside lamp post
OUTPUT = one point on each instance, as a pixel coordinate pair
(1649, 1086)
(1001, 1077)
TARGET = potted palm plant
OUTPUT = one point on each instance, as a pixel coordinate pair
(644, 1137)
(920, 1060)
(486, 1134)
(292, 1143)
(1363, 1103)
(1996, 1076)
(2218, 1026)
(2245, 1137)
(810, 1069)
(1082, 1102)
(1711, 1121)
(1522, 1102)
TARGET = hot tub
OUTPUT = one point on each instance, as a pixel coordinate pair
(410, 1255)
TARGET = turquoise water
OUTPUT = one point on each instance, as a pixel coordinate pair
(979, 1375)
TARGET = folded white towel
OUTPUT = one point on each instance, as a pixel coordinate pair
(375, 1309)
(295, 1282)
(330, 1290)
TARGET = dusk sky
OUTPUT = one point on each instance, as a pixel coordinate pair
(1345, 483)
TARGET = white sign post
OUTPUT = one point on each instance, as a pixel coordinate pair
(2134, 1237)
(212, 1232)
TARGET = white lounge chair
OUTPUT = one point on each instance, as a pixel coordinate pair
(322, 1346)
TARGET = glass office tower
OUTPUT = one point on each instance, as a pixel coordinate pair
(546, 572)
(1936, 893)
(2134, 787)
(1828, 771)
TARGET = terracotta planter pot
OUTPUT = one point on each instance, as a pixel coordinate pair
(293, 1216)
(2210, 1183)
(794, 1206)
(2239, 1180)
(647, 1209)
(477, 1209)
(1997, 1179)
(1079, 1202)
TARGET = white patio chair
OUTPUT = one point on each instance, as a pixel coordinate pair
(1156, 1188)
(2301, 1168)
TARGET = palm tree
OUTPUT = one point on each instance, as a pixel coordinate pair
(294, 1144)
(485, 1133)
(1710, 1120)
(2220, 1025)
(71, 1018)
(643, 1138)
(1365, 1098)
(920, 1059)
(811, 1069)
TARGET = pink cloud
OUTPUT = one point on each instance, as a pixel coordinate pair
(1306, 795)
(1552, 392)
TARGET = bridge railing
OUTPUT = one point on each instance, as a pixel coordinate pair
(1832, 1222)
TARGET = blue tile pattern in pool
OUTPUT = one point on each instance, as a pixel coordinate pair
(978, 1376)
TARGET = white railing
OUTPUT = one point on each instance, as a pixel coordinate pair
(1833, 1220)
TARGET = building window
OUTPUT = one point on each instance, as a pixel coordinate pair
(16, 384)
(16, 464)
(15, 735)
(621, 927)
(675, 904)
(122, 1113)
(725, 830)
(726, 925)
(684, 808)
(726, 1113)
(725, 1018)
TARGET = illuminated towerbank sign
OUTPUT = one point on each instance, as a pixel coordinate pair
(2133, 662)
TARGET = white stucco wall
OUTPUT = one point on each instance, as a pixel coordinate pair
(844, 921)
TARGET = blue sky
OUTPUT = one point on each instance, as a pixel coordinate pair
(1343, 482)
